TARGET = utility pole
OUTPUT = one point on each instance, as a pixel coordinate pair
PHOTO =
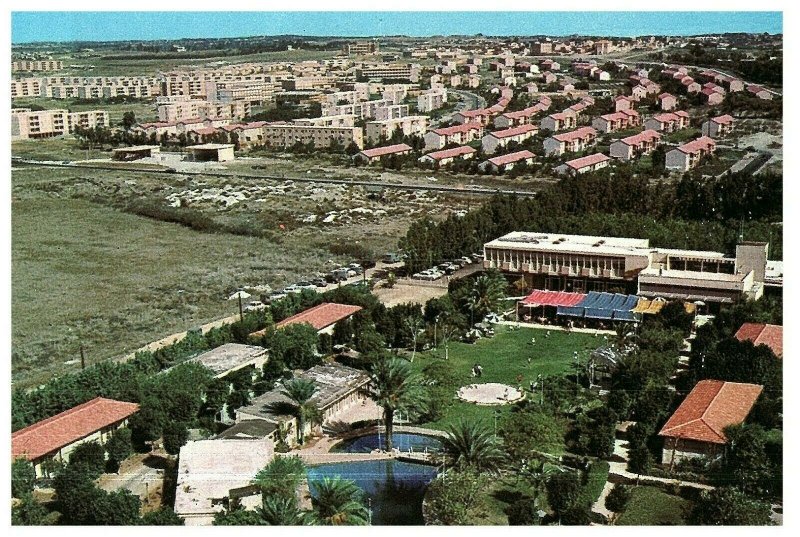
(241, 311)
(83, 358)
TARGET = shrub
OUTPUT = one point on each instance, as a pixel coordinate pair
(523, 513)
(618, 498)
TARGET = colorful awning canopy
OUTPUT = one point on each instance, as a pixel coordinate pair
(649, 306)
(552, 298)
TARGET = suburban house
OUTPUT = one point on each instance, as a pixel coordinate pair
(447, 156)
(635, 146)
(624, 119)
(375, 154)
(718, 127)
(669, 122)
(623, 102)
(496, 140)
(585, 164)
(770, 335)
(55, 438)
(686, 156)
(712, 97)
(690, 85)
(667, 101)
(550, 65)
(457, 134)
(759, 92)
(322, 317)
(570, 142)
(506, 162)
(548, 77)
(558, 122)
(210, 471)
(696, 429)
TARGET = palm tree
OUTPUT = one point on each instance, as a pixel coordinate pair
(282, 511)
(488, 292)
(413, 323)
(338, 502)
(300, 391)
(395, 387)
(537, 474)
(472, 444)
(281, 477)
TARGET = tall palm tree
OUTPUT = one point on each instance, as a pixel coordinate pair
(472, 444)
(488, 292)
(537, 473)
(396, 387)
(300, 391)
(338, 502)
(282, 511)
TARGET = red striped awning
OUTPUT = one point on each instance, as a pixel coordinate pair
(553, 298)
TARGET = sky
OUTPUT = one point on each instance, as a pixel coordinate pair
(27, 27)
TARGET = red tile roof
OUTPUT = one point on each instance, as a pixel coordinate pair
(723, 120)
(583, 132)
(515, 131)
(711, 406)
(386, 150)
(511, 157)
(65, 428)
(770, 335)
(451, 153)
(644, 136)
(321, 316)
(665, 95)
(455, 129)
(703, 143)
(527, 112)
(589, 160)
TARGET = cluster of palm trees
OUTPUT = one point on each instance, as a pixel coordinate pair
(334, 501)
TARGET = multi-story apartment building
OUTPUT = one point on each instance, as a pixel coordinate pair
(361, 48)
(457, 134)
(570, 142)
(360, 109)
(497, 140)
(559, 121)
(251, 91)
(719, 126)
(287, 134)
(328, 121)
(408, 72)
(431, 100)
(173, 110)
(408, 125)
(616, 121)
(669, 122)
(687, 156)
(36, 65)
(632, 147)
(26, 87)
(26, 123)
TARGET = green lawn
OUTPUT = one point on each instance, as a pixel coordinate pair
(651, 506)
(504, 359)
(682, 135)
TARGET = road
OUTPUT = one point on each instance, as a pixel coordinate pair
(469, 101)
(477, 190)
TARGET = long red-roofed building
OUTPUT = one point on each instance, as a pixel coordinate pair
(506, 162)
(56, 437)
(696, 429)
(458, 134)
(586, 164)
(770, 335)
(446, 156)
(687, 156)
(322, 317)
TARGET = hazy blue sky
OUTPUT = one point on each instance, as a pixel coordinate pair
(28, 27)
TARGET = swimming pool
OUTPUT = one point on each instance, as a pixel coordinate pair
(401, 441)
(395, 489)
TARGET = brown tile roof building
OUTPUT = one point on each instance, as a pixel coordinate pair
(61, 430)
(770, 335)
(320, 317)
(711, 406)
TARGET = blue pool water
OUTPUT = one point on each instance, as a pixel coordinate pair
(401, 441)
(395, 488)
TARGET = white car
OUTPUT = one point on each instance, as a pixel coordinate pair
(292, 289)
(255, 305)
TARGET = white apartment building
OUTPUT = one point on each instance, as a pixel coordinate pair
(408, 125)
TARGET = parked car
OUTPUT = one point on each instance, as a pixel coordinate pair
(306, 285)
(319, 282)
(292, 289)
(254, 305)
(356, 267)
(276, 295)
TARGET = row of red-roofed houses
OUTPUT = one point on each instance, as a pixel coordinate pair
(457, 134)
(521, 117)
(567, 118)
(497, 140)
(586, 164)
(669, 122)
(624, 119)
(570, 142)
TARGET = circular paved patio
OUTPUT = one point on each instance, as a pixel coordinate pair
(490, 393)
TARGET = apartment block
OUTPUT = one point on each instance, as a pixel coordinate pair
(687, 156)
(431, 100)
(286, 135)
(408, 125)
(26, 123)
(570, 142)
(635, 146)
(177, 110)
(36, 65)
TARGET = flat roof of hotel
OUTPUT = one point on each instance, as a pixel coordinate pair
(552, 242)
